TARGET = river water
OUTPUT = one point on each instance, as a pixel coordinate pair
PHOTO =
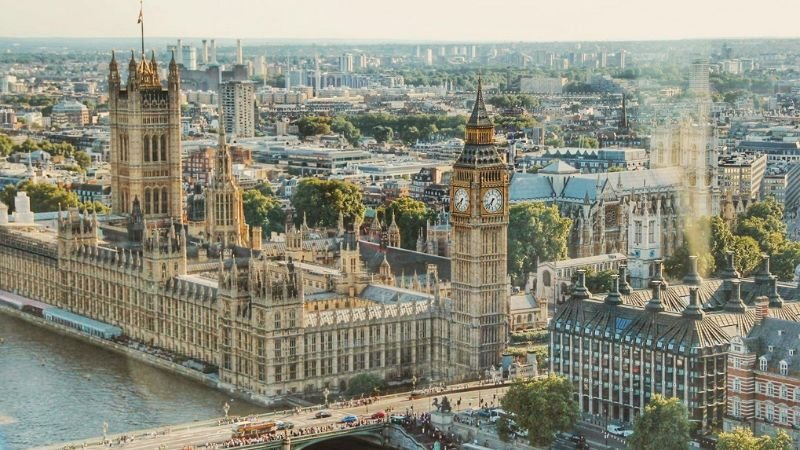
(55, 389)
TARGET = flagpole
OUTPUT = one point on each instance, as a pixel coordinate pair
(141, 22)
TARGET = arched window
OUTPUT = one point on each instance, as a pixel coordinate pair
(737, 385)
(155, 148)
(146, 149)
(163, 147)
(784, 368)
(546, 278)
(164, 200)
(156, 201)
(147, 201)
(762, 364)
(770, 389)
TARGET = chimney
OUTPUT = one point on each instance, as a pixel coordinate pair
(239, 58)
(624, 287)
(694, 310)
(213, 55)
(205, 52)
(614, 297)
(735, 303)
(775, 300)
(763, 274)
(655, 305)
(762, 309)
(693, 278)
(730, 270)
(255, 239)
(179, 53)
(659, 273)
(579, 291)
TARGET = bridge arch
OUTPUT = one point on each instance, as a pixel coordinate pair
(371, 434)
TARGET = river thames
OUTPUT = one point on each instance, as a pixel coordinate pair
(55, 389)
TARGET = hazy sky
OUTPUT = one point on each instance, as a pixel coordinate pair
(449, 20)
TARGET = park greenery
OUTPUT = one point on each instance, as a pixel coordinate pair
(411, 217)
(321, 201)
(67, 150)
(384, 127)
(597, 281)
(536, 232)
(760, 229)
(542, 406)
(262, 209)
(47, 197)
(663, 424)
(364, 384)
(743, 439)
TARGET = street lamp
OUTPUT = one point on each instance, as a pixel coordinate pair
(326, 393)
(226, 407)
(413, 383)
(105, 432)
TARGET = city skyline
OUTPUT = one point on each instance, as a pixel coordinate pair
(609, 20)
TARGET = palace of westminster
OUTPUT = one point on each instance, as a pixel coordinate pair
(315, 309)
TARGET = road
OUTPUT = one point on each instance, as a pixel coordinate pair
(200, 433)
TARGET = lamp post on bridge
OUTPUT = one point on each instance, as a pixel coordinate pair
(105, 432)
(226, 407)
(326, 393)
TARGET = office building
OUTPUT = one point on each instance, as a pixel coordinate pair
(239, 105)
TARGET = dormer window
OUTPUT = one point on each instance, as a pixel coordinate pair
(780, 332)
(791, 352)
(762, 364)
(784, 368)
(770, 348)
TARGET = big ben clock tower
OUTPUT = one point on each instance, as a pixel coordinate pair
(479, 212)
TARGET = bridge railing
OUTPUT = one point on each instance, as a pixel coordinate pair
(316, 436)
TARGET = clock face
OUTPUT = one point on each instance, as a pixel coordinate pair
(461, 200)
(493, 200)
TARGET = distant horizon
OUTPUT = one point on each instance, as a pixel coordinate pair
(417, 21)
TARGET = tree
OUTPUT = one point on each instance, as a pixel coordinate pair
(342, 126)
(663, 424)
(383, 134)
(322, 200)
(313, 126)
(364, 384)
(536, 232)
(264, 188)
(543, 406)
(763, 221)
(44, 197)
(785, 261)
(706, 238)
(82, 159)
(503, 429)
(262, 211)
(410, 215)
(598, 281)
(747, 254)
(743, 439)
(6, 145)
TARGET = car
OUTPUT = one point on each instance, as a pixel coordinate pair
(349, 419)
(378, 415)
(619, 430)
(284, 425)
(398, 419)
(322, 414)
(484, 413)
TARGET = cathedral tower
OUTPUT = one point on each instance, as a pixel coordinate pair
(479, 205)
(145, 140)
(224, 209)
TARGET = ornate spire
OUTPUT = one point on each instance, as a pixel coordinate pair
(479, 116)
